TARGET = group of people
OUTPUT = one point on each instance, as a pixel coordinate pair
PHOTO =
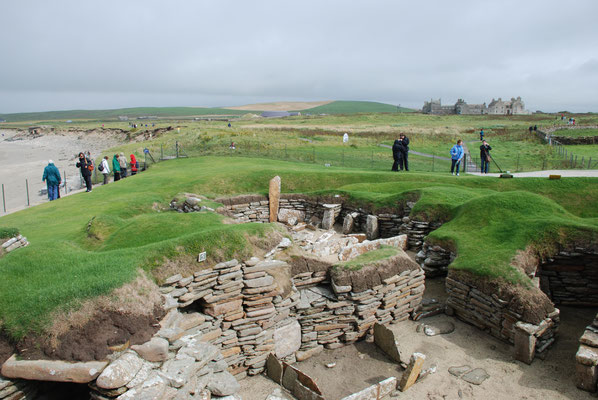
(120, 167)
(400, 151)
(457, 153)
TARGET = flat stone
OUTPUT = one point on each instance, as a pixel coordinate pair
(385, 339)
(153, 388)
(289, 378)
(173, 279)
(590, 338)
(412, 372)
(177, 371)
(586, 355)
(328, 219)
(155, 350)
(458, 371)
(223, 308)
(259, 282)
(120, 372)
(302, 355)
(372, 232)
(439, 328)
(274, 368)
(476, 376)
(55, 371)
(287, 339)
(223, 384)
(201, 352)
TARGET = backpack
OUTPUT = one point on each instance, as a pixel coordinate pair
(100, 167)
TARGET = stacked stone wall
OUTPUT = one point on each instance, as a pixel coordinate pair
(571, 278)
(434, 260)
(13, 389)
(499, 318)
(586, 366)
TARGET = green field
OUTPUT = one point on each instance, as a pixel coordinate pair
(353, 107)
(103, 237)
(575, 132)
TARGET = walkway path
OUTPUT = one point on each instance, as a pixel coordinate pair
(590, 173)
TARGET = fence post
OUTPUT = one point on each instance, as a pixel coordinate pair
(590, 163)
(582, 161)
(161, 151)
(66, 188)
(575, 162)
(177, 148)
(464, 163)
(571, 162)
(3, 199)
(27, 189)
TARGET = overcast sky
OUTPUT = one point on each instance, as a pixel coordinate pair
(90, 54)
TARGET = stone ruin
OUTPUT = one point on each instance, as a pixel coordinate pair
(15, 243)
(236, 319)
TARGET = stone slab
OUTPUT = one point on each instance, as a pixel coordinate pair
(54, 371)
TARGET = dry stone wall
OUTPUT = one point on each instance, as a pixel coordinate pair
(434, 260)
(15, 243)
(500, 318)
(571, 278)
(13, 389)
(586, 367)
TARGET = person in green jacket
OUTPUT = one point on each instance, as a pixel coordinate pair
(52, 179)
(116, 167)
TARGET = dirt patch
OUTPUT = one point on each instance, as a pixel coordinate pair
(6, 348)
(108, 331)
(374, 273)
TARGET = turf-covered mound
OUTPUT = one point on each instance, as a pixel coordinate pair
(372, 268)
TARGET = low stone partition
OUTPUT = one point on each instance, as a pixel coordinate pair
(571, 277)
(434, 259)
(15, 243)
(14, 389)
(325, 212)
(524, 317)
(586, 367)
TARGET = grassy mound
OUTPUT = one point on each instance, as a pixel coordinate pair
(353, 107)
(87, 244)
(358, 262)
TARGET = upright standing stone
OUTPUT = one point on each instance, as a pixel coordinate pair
(348, 224)
(386, 341)
(412, 372)
(328, 219)
(274, 197)
(525, 342)
(372, 231)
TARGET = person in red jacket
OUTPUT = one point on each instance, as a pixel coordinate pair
(133, 165)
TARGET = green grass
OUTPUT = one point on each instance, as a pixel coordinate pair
(575, 132)
(360, 261)
(111, 114)
(88, 244)
(8, 232)
(352, 107)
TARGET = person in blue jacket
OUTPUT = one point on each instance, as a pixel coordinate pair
(456, 156)
(52, 179)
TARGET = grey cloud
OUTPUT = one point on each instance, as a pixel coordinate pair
(92, 54)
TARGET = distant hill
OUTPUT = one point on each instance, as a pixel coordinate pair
(353, 107)
(115, 113)
(321, 107)
(281, 106)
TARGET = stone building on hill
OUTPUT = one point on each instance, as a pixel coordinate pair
(496, 107)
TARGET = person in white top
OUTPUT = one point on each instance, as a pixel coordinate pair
(105, 170)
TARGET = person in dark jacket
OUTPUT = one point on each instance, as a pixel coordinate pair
(404, 151)
(485, 156)
(52, 179)
(116, 168)
(396, 154)
(86, 167)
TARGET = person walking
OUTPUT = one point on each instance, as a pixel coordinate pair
(482, 134)
(396, 155)
(456, 156)
(52, 179)
(133, 165)
(403, 161)
(105, 170)
(86, 168)
(122, 161)
(485, 156)
(116, 168)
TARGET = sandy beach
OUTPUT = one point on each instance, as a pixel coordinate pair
(23, 158)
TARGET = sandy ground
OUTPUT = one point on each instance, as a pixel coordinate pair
(281, 106)
(25, 159)
(361, 365)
